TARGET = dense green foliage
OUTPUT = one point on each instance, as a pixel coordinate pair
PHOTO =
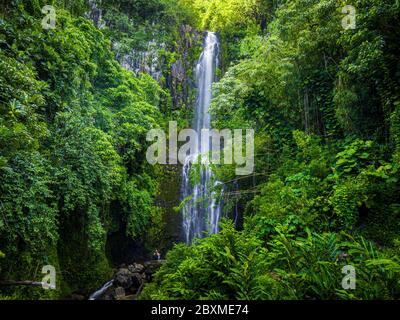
(288, 264)
(77, 101)
(73, 124)
(324, 104)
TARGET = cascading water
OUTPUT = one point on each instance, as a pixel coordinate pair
(95, 14)
(201, 213)
(102, 290)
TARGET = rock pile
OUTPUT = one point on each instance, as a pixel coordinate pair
(129, 280)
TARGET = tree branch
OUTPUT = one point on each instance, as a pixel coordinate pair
(20, 283)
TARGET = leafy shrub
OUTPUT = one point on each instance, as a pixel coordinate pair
(238, 265)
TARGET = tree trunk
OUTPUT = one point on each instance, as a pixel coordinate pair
(20, 283)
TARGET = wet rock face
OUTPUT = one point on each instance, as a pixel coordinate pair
(77, 297)
(151, 267)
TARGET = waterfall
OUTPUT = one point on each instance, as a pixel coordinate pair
(102, 290)
(202, 211)
(95, 14)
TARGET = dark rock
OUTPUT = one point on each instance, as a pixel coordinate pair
(137, 280)
(128, 297)
(137, 283)
(136, 268)
(77, 297)
(123, 278)
(119, 293)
